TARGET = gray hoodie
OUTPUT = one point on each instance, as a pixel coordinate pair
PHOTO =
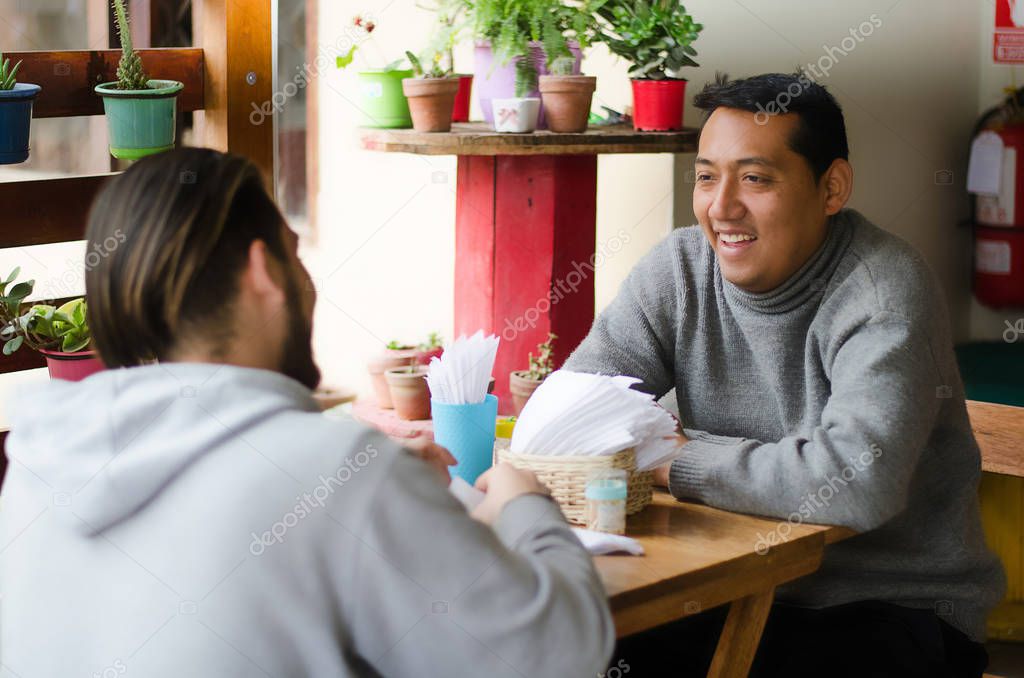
(206, 520)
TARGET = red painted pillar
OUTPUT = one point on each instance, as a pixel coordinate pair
(525, 235)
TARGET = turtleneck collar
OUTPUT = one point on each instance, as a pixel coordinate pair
(808, 282)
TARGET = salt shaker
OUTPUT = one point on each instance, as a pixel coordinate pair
(606, 500)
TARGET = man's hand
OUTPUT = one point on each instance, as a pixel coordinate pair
(503, 483)
(424, 447)
(661, 473)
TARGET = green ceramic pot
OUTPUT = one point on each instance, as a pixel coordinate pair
(141, 122)
(381, 99)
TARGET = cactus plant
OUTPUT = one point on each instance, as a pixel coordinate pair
(7, 74)
(130, 73)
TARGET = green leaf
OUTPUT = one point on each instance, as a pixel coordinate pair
(73, 343)
(21, 290)
(78, 315)
(13, 345)
(346, 59)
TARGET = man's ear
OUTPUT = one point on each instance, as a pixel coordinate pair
(838, 181)
(262, 276)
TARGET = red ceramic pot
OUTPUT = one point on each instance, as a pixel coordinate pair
(72, 366)
(658, 105)
(460, 112)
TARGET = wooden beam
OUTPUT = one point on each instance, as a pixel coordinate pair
(68, 77)
(238, 117)
(47, 210)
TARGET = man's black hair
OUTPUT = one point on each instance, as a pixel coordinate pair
(821, 134)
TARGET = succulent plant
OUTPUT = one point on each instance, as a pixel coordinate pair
(562, 65)
(43, 326)
(544, 363)
(7, 74)
(130, 73)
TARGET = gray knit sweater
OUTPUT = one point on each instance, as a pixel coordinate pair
(832, 399)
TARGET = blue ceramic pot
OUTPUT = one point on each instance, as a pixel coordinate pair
(15, 121)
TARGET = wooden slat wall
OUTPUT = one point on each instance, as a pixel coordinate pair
(46, 210)
(68, 77)
(237, 39)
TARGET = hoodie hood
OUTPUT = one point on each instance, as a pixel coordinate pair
(116, 440)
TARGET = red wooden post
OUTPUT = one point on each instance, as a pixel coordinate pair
(525, 235)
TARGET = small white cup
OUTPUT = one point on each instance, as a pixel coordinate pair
(516, 115)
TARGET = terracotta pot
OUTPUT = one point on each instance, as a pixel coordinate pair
(72, 366)
(409, 392)
(566, 100)
(522, 387)
(389, 358)
(431, 101)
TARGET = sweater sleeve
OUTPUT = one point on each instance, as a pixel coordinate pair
(635, 334)
(855, 466)
(437, 593)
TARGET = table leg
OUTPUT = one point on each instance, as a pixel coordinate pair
(525, 237)
(741, 635)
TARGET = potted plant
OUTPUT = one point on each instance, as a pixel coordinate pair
(431, 94)
(519, 114)
(141, 113)
(60, 334)
(510, 31)
(523, 383)
(656, 38)
(381, 99)
(409, 391)
(395, 354)
(451, 16)
(15, 113)
(566, 98)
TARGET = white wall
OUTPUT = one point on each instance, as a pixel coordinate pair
(908, 91)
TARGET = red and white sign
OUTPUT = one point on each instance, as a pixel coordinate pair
(1008, 39)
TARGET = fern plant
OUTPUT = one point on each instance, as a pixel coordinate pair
(511, 25)
(7, 74)
(130, 73)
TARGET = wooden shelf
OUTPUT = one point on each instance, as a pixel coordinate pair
(477, 138)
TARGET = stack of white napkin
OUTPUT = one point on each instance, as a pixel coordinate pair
(593, 414)
(463, 372)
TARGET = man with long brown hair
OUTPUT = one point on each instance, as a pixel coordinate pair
(189, 511)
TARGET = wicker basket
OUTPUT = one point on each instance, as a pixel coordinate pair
(566, 477)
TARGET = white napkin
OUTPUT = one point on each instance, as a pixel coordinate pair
(463, 372)
(600, 543)
(593, 414)
(597, 543)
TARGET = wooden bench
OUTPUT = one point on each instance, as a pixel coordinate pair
(999, 430)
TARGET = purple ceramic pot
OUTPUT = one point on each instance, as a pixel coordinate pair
(494, 80)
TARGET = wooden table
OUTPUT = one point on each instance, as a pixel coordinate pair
(698, 558)
(525, 228)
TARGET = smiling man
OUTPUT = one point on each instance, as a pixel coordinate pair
(813, 366)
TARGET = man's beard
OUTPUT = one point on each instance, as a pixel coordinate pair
(297, 359)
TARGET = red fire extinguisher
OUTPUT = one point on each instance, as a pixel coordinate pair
(999, 226)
